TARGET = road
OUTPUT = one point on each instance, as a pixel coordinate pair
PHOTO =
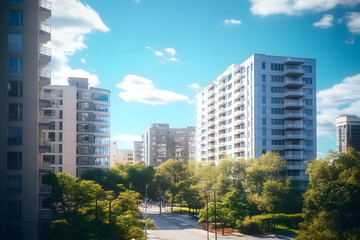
(171, 226)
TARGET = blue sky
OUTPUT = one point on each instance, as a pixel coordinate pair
(151, 51)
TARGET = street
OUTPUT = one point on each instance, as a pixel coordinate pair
(172, 226)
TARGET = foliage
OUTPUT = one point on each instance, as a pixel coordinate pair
(331, 203)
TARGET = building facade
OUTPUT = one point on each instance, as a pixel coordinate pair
(24, 32)
(77, 136)
(160, 143)
(267, 103)
(137, 151)
(348, 132)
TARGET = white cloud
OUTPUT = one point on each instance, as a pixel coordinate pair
(353, 23)
(351, 41)
(325, 22)
(127, 140)
(342, 98)
(195, 86)
(232, 21)
(142, 90)
(167, 56)
(296, 7)
(71, 20)
(83, 60)
(171, 51)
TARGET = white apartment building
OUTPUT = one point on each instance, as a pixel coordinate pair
(348, 132)
(137, 151)
(75, 127)
(161, 143)
(267, 103)
(120, 155)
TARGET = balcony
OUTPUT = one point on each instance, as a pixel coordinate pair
(211, 146)
(293, 82)
(45, 51)
(294, 94)
(294, 115)
(221, 119)
(240, 93)
(238, 140)
(293, 104)
(294, 147)
(45, 190)
(211, 108)
(293, 126)
(211, 123)
(211, 139)
(222, 102)
(222, 152)
(222, 110)
(222, 136)
(221, 85)
(222, 127)
(238, 131)
(45, 167)
(294, 157)
(237, 149)
(295, 166)
(292, 71)
(45, 32)
(211, 131)
(45, 4)
(211, 116)
(211, 100)
(211, 93)
(238, 122)
(222, 94)
(44, 214)
(294, 136)
(44, 77)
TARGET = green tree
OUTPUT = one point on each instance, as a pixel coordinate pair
(331, 203)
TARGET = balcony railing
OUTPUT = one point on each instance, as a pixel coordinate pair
(294, 115)
(293, 157)
(293, 126)
(45, 73)
(294, 94)
(45, 4)
(293, 104)
(45, 189)
(295, 147)
(45, 27)
(294, 71)
(293, 82)
(44, 213)
(294, 136)
(46, 51)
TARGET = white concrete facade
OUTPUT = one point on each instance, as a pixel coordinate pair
(267, 103)
(348, 132)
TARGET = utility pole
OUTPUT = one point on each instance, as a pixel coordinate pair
(146, 210)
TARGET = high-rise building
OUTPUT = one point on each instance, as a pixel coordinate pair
(24, 57)
(137, 151)
(266, 103)
(77, 133)
(348, 132)
(161, 143)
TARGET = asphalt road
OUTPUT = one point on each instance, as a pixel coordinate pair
(183, 227)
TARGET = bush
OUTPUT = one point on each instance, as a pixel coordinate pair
(261, 223)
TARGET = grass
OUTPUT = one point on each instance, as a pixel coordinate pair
(284, 230)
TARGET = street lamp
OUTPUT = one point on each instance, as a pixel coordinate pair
(146, 187)
(208, 189)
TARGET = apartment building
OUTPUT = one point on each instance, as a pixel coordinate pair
(137, 151)
(160, 143)
(120, 155)
(77, 133)
(267, 103)
(348, 132)
(24, 32)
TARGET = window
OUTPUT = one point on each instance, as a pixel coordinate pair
(277, 142)
(83, 150)
(83, 117)
(264, 121)
(84, 128)
(307, 102)
(15, 65)
(263, 131)
(15, 112)
(276, 121)
(229, 130)
(263, 78)
(14, 136)
(101, 129)
(308, 143)
(14, 160)
(308, 112)
(229, 139)
(228, 78)
(275, 78)
(307, 80)
(15, 1)
(263, 100)
(263, 89)
(14, 209)
(277, 100)
(101, 118)
(101, 108)
(308, 91)
(308, 122)
(84, 106)
(14, 184)
(229, 95)
(277, 67)
(307, 69)
(15, 18)
(229, 121)
(228, 87)
(102, 140)
(277, 111)
(229, 104)
(263, 110)
(263, 65)
(308, 133)
(15, 89)
(101, 97)
(84, 138)
(15, 42)
(264, 142)
(277, 89)
(101, 161)
(228, 113)
(277, 132)
(102, 150)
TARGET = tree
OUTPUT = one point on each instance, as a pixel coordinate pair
(331, 203)
(175, 176)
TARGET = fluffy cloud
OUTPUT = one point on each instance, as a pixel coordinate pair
(353, 23)
(71, 20)
(83, 60)
(167, 56)
(325, 22)
(195, 86)
(342, 98)
(232, 21)
(126, 140)
(296, 7)
(142, 90)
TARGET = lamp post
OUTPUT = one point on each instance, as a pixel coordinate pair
(208, 189)
(146, 187)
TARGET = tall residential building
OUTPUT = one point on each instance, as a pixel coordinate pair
(24, 58)
(113, 152)
(161, 143)
(125, 156)
(76, 132)
(266, 103)
(348, 132)
(137, 151)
